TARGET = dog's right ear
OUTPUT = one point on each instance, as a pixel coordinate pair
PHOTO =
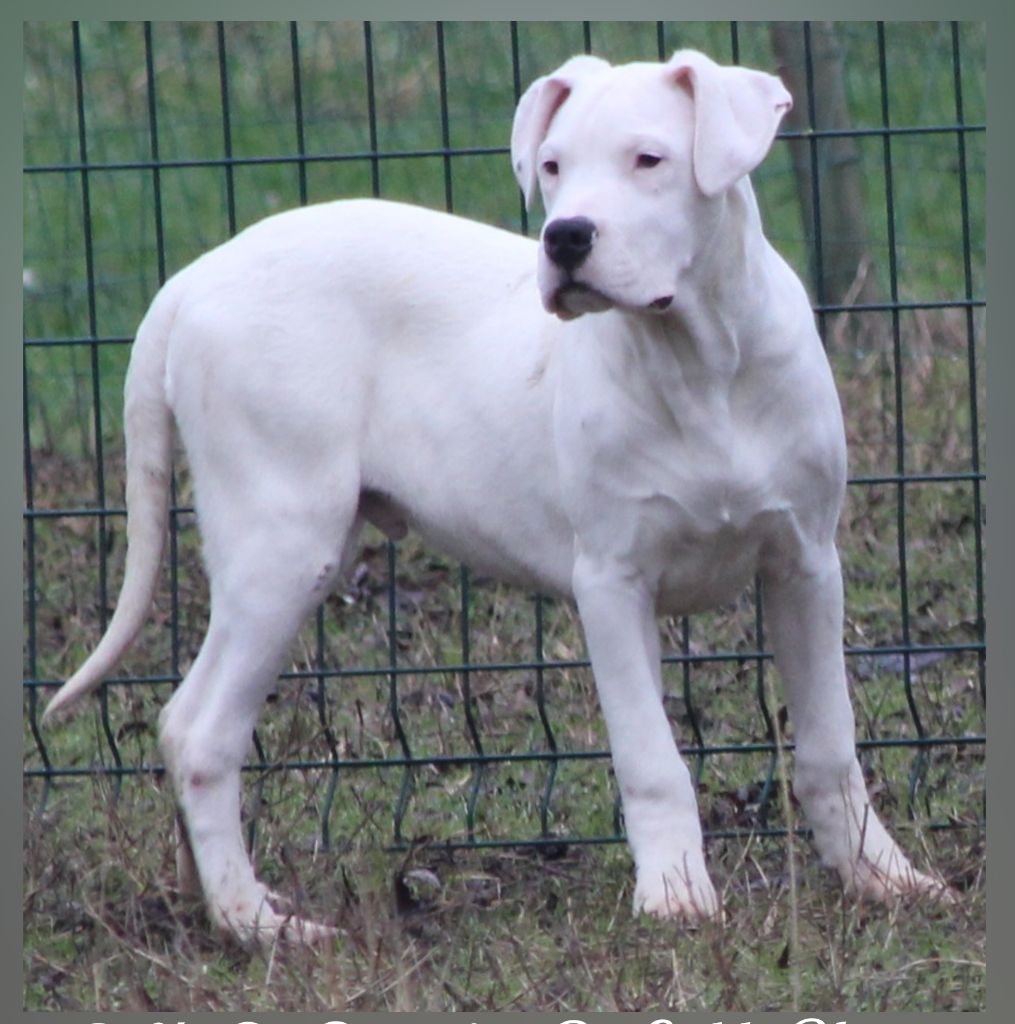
(535, 111)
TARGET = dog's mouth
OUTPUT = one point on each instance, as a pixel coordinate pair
(573, 299)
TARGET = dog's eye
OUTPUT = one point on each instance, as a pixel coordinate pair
(648, 160)
(550, 167)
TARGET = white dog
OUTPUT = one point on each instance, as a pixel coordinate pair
(370, 361)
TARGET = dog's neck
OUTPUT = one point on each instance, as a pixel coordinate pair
(712, 317)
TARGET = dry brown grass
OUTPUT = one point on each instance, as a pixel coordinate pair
(478, 930)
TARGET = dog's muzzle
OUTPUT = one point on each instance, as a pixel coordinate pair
(567, 243)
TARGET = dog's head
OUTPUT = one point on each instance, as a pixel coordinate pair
(633, 163)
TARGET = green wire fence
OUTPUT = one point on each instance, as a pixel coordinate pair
(434, 704)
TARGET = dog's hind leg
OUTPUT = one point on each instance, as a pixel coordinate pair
(268, 572)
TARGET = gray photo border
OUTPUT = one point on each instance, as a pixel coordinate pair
(1001, 230)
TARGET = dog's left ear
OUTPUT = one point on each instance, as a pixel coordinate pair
(535, 111)
(736, 114)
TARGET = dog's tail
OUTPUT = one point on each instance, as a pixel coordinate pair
(148, 432)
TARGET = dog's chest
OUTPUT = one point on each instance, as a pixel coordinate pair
(700, 516)
(687, 491)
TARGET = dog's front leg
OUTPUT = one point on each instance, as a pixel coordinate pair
(804, 612)
(660, 810)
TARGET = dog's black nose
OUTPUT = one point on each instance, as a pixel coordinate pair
(568, 241)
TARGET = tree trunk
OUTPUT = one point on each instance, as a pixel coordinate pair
(841, 267)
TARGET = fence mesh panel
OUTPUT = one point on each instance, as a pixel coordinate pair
(424, 700)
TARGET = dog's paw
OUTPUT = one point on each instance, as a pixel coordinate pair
(265, 920)
(677, 892)
(301, 932)
(891, 876)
